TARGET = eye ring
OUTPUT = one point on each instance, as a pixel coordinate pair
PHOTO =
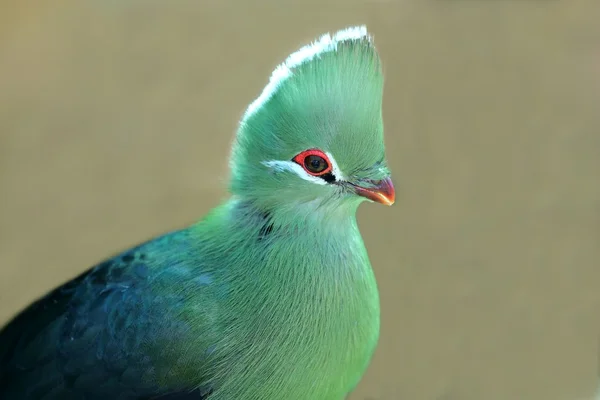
(314, 162)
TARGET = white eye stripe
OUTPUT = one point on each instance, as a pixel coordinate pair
(298, 170)
(335, 170)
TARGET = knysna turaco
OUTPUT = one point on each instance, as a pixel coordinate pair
(270, 296)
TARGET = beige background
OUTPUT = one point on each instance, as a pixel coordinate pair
(116, 119)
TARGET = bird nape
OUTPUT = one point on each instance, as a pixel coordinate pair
(270, 296)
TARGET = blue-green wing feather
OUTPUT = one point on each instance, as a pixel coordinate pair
(88, 338)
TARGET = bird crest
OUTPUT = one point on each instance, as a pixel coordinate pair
(326, 95)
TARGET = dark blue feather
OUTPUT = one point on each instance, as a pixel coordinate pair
(84, 340)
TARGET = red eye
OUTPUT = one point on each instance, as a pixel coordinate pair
(315, 162)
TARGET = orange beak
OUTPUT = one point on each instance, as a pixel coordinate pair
(381, 192)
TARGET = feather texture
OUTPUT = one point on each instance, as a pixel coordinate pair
(271, 296)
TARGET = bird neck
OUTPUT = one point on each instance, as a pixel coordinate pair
(300, 224)
(297, 240)
(303, 291)
(301, 256)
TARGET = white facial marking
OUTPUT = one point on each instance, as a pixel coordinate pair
(335, 170)
(299, 170)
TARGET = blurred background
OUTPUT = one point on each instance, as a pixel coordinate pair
(116, 119)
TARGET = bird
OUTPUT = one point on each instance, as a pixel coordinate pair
(270, 296)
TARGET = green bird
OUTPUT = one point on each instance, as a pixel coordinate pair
(270, 296)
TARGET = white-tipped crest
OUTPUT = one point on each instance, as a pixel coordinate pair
(325, 44)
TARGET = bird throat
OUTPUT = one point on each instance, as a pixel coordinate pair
(305, 296)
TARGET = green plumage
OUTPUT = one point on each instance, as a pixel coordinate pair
(271, 296)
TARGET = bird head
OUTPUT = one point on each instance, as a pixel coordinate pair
(315, 134)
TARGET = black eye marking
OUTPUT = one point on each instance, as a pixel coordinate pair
(328, 177)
